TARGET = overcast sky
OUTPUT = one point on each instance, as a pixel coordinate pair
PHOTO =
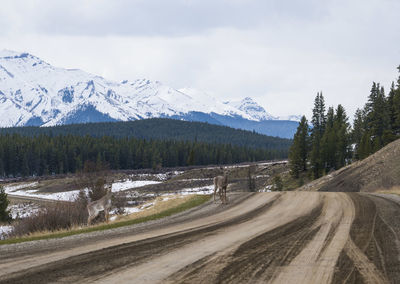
(281, 53)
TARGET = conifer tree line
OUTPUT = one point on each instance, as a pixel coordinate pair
(160, 129)
(22, 155)
(330, 142)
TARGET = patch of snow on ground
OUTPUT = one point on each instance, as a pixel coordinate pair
(130, 210)
(23, 210)
(12, 188)
(160, 177)
(4, 231)
(272, 163)
(128, 184)
(196, 179)
(62, 196)
(197, 190)
(166, 198)
(147, 205)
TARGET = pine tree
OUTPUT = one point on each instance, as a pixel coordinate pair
(390, 101)
(342, 132)
(396, 108)
(318, 122)
(328, 142)
(365, 147)
(4, 213)
(299, 150)
(358, 131)
(378, 116)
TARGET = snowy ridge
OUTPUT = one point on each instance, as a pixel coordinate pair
(33, 92)
(249, 106)
(291, 117)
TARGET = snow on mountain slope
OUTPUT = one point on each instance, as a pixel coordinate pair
(249, 106)
(33, 92)
(291, 117)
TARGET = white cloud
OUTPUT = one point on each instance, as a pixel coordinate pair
(279, 52)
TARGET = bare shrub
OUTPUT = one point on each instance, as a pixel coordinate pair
(119, 202)
(94, 178)
(57, 216)
(278, 183)
(250, 179)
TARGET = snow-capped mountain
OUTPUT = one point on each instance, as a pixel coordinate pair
(249, 106)
(291, 117)
(33, 92)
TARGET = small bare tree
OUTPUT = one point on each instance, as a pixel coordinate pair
(251, 180)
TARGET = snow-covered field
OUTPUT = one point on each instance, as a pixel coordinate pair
(209, 189)
(128, 184)
(31, 190)
(26, 190)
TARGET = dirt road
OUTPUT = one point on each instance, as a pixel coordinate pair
(290, 237)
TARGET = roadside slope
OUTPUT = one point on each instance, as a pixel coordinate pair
(378, 171)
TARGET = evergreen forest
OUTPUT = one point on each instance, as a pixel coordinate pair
(161, 129)
(45, 154)
(331, 142)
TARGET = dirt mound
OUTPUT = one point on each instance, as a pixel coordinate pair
(379, 171)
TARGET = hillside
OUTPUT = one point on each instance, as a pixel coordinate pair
(376, 172)
(164, 129)
(35, 93)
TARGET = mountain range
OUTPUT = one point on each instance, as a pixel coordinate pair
(35, 93)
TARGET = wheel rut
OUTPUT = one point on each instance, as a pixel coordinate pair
(288, 237)
(371, 254)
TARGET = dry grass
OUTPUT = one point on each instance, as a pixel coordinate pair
(159, 206)
(54, 217)
(160, 210)
(392, 190)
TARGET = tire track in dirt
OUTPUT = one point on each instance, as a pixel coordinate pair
(371, 254)
(265, 251)
(290, 237)
(95, 263)
(316, 262)
(291, 207)
(302, 251)
(33, 254)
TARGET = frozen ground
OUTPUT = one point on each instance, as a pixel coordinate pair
(22, 210)
(209, 189)
(4, 230)
(28, 191)
(128, 184)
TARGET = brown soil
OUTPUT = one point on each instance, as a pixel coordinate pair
(289, 237)
(379, 171)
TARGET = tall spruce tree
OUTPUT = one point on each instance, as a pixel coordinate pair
(342, 133)
(378, 117)
(358, 132)
(299, 150)
(396, 108)
(336, 139)
(390, 100)
(328, 142)
(318, 122)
